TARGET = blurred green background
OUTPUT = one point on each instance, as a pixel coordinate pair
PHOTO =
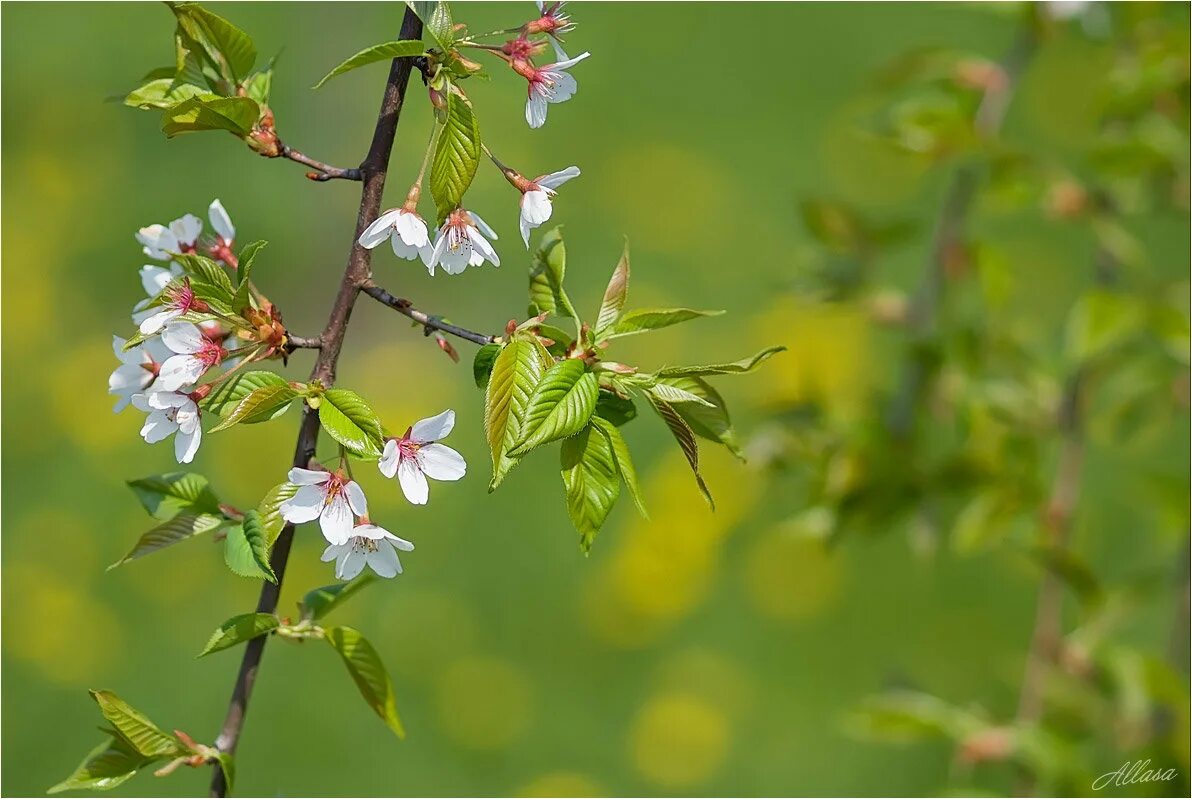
(699, 653)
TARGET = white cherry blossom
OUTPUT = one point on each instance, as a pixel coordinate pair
(418, 455)
(553, 22)
(329, 497)
(370, 546)
(193, 355)
(461, 243)
(179, 298)
(161, 243)
(536, 199)
(137, 370)
(221, 222)
(406, 231)
(171, 413)
(549, 84)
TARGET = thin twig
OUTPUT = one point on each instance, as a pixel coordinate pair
(404, 306)
(303, 342)
(373, 171)
(323, 172)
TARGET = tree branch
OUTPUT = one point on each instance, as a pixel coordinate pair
(404, 306)
(302, 343)
(373, 172)
(324, 172)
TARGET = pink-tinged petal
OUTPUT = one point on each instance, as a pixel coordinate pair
(413, 482)
(556, 179)
(387, 465)
(187, 229)
(384, 560)
(183, 338)
(304, 506)
(356, 500)
(379, 230)
(157, 320)
(434, 428)
(221, 221)
(187, 444)
(536, 109)
(307, 477)
(336, 520)
(440, 462)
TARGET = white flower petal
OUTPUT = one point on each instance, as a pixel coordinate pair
(482, 248)
(304, 506)
(565, 86)
(524, 227)
(307, 477)
(221, 221)
(379, 230)
(351, 565)
(183, 338)
(535, 207)
(187, 229)
(336, 520)
(331, 552)
(413, 481)
(356, 500)
(384, 560)
(483, 226)
(187, 444)
(568, 64)
(440, 462)
(387, 465)
(154, 279)
(411, 229)
(536, 109)
(157, 242)
(179, 371)
(157, 320)
(434, 428)
(556, 179)
(129, 377)
(157, 427)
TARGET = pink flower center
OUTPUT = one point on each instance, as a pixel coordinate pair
(210, 354)
(182, 298)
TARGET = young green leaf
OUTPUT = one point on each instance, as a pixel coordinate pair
(248, 254)
(164, 93)
(624, 462)
(591, 480)
(708, 419)
(518, 368)
(562, 403)
(207, 278)
(259, 86)
(263, 404)
(246, 551)
(674, 394)
(237, 115)
(166, 495)
(139, 732)
(482, 364)
(385, 51)
(224, 43)
(269, 510)
(615, 295)
(457, 154)
(352, 422)
(321, 601)
(616, 409)
(227, 395)
(184, 526)
(367, 670)
(439, 25)
(734, 368)
(548, 266)
(645, 319)
(106, 766)
(239, 629)
(686, 438)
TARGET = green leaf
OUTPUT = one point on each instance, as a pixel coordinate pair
(166, 495)
(259, 86)
(364, 664)
(439, 24)
(615, 295)
(321, 601)
(686, 438)
(646, 319)
(106, 766)
(165, 93)
(548, 266)
(370, 55)
(227, 395)
(624, 462)
(246, 549)
(591, 480)
(208, 278)
(352, 422)
(239, 629)
(562, 403)
(261, 405)
(237, 115)
(1099, 321)
(180, 528)
(248, 254)
(616, 409)
(224, 43)
(734, 368)
(269, 510)
(139, 732)
(709, 419)
(457, 154)
(518, 368)
(482, 364)
(227, 764)
(674, 394)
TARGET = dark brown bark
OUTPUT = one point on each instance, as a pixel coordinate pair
(373, 172)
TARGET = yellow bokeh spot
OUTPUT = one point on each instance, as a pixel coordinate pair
(678, 741)
(791, 575)
(661, 569)
(484, 703)
(827, 359)
(562, 783)
(54, 625)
